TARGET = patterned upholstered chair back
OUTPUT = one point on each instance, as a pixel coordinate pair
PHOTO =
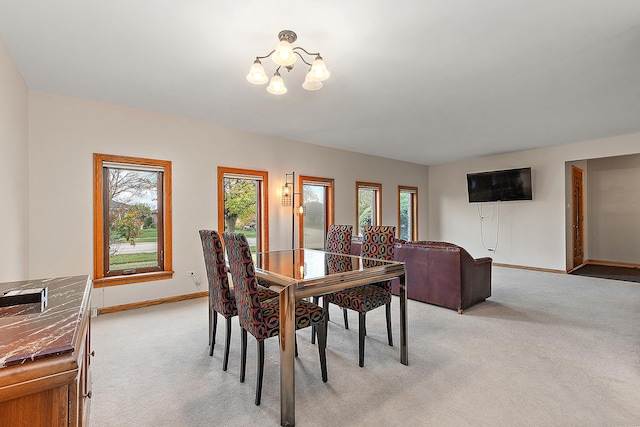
(245, 284)
(377, 241)
(339, 239)
(222, 299)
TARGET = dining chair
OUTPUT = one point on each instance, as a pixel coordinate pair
(377, 243)
(262, 318)
(221, 295)
(338, 241)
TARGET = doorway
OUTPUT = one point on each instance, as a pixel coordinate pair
(577, 217)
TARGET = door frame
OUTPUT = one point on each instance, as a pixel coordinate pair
(577, 216)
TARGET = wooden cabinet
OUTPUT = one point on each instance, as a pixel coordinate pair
(45, 356)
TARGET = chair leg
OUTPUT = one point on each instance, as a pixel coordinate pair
(243, 357)
(295, 340)
(316, 300)
(346, 320)
(213, 324)
(326, 325)
(227, 344)
(365, 323)
(362, 321)
(260, 371)
(325, 305)
(322, 345)
(389, 333)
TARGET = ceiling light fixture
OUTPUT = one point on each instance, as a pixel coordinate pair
(285, 56)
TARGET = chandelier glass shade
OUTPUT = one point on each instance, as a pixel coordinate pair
(256, 73)
(284, 55)
(310, 84)
(276, 86)
(319, 70)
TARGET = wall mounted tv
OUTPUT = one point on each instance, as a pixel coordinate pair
(504, 185)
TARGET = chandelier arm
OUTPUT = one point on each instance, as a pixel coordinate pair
(305, 51)
(302, 58)
(266, 56)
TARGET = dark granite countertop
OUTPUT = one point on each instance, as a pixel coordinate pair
(28, 334)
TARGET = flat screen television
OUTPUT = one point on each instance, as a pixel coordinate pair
(504, 185)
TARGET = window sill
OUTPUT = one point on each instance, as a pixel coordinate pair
(131, 278)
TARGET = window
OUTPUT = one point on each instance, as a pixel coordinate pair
(368, 205)
(242, 205)
(407, 213)
(132, 220)
(317, 202)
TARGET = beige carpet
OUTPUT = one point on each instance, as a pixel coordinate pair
(545, 350)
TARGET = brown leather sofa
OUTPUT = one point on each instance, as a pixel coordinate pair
(441, 273)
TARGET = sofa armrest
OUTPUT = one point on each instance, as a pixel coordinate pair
(476, 279)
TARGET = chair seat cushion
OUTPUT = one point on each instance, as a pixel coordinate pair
(306, 315)
(263, 294)
(229, 307)
(360, 298)
(265, 283)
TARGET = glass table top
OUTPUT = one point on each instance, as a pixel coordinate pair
(308, 266)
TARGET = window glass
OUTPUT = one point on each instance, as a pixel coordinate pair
(317, 210)
(241, 208)
(242, 205)
(132, 227)
(407, 214)
(315, 218)
(368, 205)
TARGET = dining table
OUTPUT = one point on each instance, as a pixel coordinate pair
(303, 273)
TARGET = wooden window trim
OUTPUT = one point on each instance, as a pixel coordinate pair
(264, 199)
(414, 213)
(99, 279)
(329, 208)
(378, 202)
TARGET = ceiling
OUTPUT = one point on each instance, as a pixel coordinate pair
(428, 82)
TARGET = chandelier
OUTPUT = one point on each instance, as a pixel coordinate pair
(284, 55)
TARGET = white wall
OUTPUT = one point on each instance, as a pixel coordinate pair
(531, 233)
(613, 209)
(14, 171)
(65, 132)
(53, 227)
